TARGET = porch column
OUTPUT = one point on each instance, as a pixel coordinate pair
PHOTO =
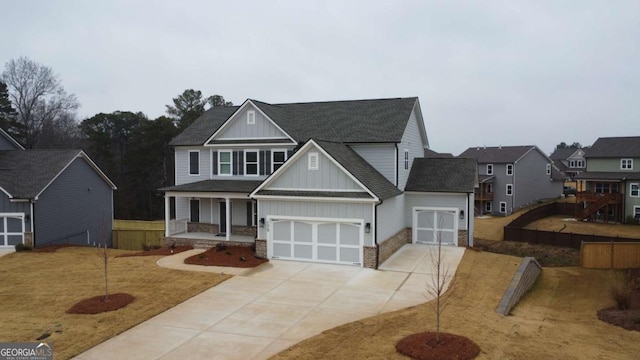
(227, 205)
(167, 214)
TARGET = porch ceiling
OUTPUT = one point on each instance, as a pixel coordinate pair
(215, 186)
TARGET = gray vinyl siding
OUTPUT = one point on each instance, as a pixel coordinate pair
(239, 129)
(268, 208)
(390, 217)
(436, 200)
(531, 182)
(327, 177)
(412, 141)
(381, 156)
(6, 144)
(205, 210)
(182, 208)
(77, 201)
(630, 201)
(182, 165)
(611, 164)
(7, 206)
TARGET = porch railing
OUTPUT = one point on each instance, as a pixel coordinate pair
(178, 226)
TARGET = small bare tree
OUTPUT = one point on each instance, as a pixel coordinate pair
(437, 284)
(103, 254)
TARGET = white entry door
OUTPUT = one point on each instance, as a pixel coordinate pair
(11, 229)
(431, 225)
(312, 239)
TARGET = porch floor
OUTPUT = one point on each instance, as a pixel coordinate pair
(210, 236)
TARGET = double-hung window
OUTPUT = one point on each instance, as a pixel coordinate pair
(225, 162)
(509, 169)
(626, 164)
(503, 207)
(635, 190)
(509, 189)
(194, 162)
(251, 164)
(489, 169)
(278, 157)
(548, 169)
(406, 159)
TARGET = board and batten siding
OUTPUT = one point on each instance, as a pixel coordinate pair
(381, 156)
(240, 129)
(327, 177)
(412, 141)
(436, 200)
(314, 209)
(77, 200)
(390, 215)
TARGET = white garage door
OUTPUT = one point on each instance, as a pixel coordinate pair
(316, 240)
(431, 225)
(11, 229)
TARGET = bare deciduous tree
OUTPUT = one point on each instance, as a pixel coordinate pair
(38, 96)
(437, 284)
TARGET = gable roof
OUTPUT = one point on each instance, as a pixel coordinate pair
(442, 175)
(562, 154)
(497, 154)
(353, 121)
(626, 146)
(11, 139)
(25, 174)
(428, 153)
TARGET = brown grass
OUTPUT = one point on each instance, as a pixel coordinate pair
(37, 288)
(559, 223)
(555, 320)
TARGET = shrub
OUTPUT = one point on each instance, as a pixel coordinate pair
(621, 292)
(253, 247)
(22, 247)
(228, 252)
(221, 247)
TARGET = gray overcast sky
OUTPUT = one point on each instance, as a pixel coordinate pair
(486, 72)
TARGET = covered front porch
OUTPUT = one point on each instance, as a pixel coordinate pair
(211, 211)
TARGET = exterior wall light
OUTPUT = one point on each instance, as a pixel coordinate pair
(367, 228)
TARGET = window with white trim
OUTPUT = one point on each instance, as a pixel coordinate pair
(225, 162)
(636, 212)
(489, 187)
(251, 117)
(503, 207)
(509, 189)
(548, 169)
(313, 161)
(489, 169)
(487, 206)
(278, 157)
(509, 169)
(194, 162)
(576, 163)
(406, 159)
(626, 164)
(634, 190)
(251, 163)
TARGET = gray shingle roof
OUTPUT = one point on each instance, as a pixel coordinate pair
(25, 173)
(428, 153)
(442, 175)
(236, 186)
(628, 146)
(354, 121)
(496, 154)
(562, 154)
(332, 194)
(360, 169)
(615, 175)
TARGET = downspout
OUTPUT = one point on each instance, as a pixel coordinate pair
(397, 165)
(513, 190)
(375, 233)
(33, 220)
(469, 233)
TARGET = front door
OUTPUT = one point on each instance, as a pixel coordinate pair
(223, 217)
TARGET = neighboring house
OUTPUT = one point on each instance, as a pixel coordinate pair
(611, 190)
(511, 177)
(332, 182)
(569, 161)
(52, 197)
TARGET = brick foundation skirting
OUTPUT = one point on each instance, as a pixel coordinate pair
(462, 238)
(392, 244)
(214, 229)
(261, 248)
(202, 244)
(370, 258)
(28, 239)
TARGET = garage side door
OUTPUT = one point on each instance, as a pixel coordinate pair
(11, 229)
(318, 241)
(433, 225)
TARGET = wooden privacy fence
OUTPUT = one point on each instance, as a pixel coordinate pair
(543, 211)
(554, 238)
(134, 234)
(607, 255)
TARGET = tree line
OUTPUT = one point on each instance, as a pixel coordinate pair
(130, 148)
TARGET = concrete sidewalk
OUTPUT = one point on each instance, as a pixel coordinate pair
(263, 311)
(5, 251)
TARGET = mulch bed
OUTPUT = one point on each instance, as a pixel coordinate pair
(98, 304)
(164, 251)
(630, 318)
(232, 256)
(423, 346)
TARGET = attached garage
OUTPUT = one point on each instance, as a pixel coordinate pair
(431, 225)
(11, 229)
(316, 239)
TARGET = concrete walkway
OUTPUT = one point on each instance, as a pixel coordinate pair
(261, 312)
(5, 251)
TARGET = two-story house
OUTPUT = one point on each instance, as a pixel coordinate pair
(52, 197)
(570, 161)
(511, 177)
(334, 182)
(611, 189)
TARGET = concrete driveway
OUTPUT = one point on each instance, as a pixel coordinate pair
(263, 311)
